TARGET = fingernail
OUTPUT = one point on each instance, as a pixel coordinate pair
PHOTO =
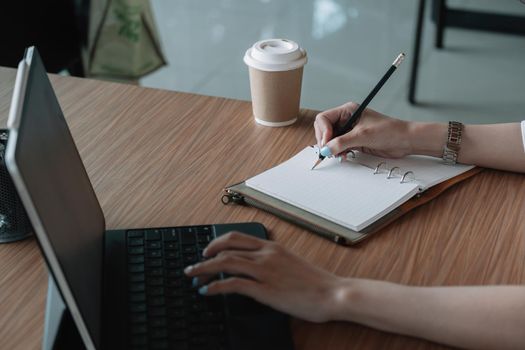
(205, 252)
(195, 282)
(188, 269)
(325, 152)
(203, 290)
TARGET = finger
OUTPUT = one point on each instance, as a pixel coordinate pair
(229, 263)
(350, 140)
(333, 115)
(233, 240)
(233, 285)
(201, 280)
(318, 134)
(326, 120)
(342, 121)
(349, 109)
(324, 129)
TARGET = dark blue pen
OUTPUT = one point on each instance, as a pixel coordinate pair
(325, 151)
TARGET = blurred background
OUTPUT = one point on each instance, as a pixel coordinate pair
(197, 46)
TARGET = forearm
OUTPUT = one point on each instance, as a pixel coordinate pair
(470, 317)
(497, 146)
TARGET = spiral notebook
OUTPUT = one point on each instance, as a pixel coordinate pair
(357, 195)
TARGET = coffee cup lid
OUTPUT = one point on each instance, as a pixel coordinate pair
(275, 55)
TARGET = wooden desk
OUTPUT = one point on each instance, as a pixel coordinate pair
(152, 162)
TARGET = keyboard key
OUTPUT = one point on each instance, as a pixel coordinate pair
(135, 241)
(158, 322)
(178, 324)
(152, 235)
(191, 317)
(180, 335)
(139, 340)
(157, 311)
(173, 264)
(156, 301)
(135, 250)
(154, 253)
(141, 347)
(138, 307)
(172, 254)
(215, 328)
(198, 307)
(189, 249)
(175, 290)
(180, 345)
(158, 271)
(137, 287)
(177, 313)
(204, 236)
(155, 281)
(160, 344)
(170, 235)
(137, 277)
(138, 317)
(198, 341)
(176, 285)
(175, 273)
(154, 262)
(187, 236)
(176, 303)
(187, 284)
(139, 328)
(203, 242)
(197, 328)
(136, 259)
(210, 316)
(171, 245)
(135, 234)
(153, 244)
(158, 333)
(136, 268)
(155, 291)
(189, 259)
(137, 297)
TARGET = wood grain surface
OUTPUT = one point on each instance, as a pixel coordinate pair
(161, 158)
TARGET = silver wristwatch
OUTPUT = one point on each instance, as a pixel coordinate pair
(451, 149)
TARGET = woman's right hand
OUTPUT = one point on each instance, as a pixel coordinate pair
(374, 133)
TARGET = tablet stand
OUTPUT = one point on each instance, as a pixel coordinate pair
(60, 331)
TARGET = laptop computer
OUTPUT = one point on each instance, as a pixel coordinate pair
(124, 288)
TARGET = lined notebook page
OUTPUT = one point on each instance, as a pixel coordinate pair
(428, 171)
(346, 193)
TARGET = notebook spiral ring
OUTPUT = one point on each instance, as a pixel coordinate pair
(406, 177)
(378, 167)
(408, 174)
(393, 172)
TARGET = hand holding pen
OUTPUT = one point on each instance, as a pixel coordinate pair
(374, 133)
(347, 119)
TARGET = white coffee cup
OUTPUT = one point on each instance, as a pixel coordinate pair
(276, 71)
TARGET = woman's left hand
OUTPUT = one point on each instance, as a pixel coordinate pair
(268, 273)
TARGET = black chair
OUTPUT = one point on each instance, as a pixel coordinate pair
(444, 16)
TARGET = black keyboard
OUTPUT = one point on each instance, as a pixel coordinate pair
(166, 312)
